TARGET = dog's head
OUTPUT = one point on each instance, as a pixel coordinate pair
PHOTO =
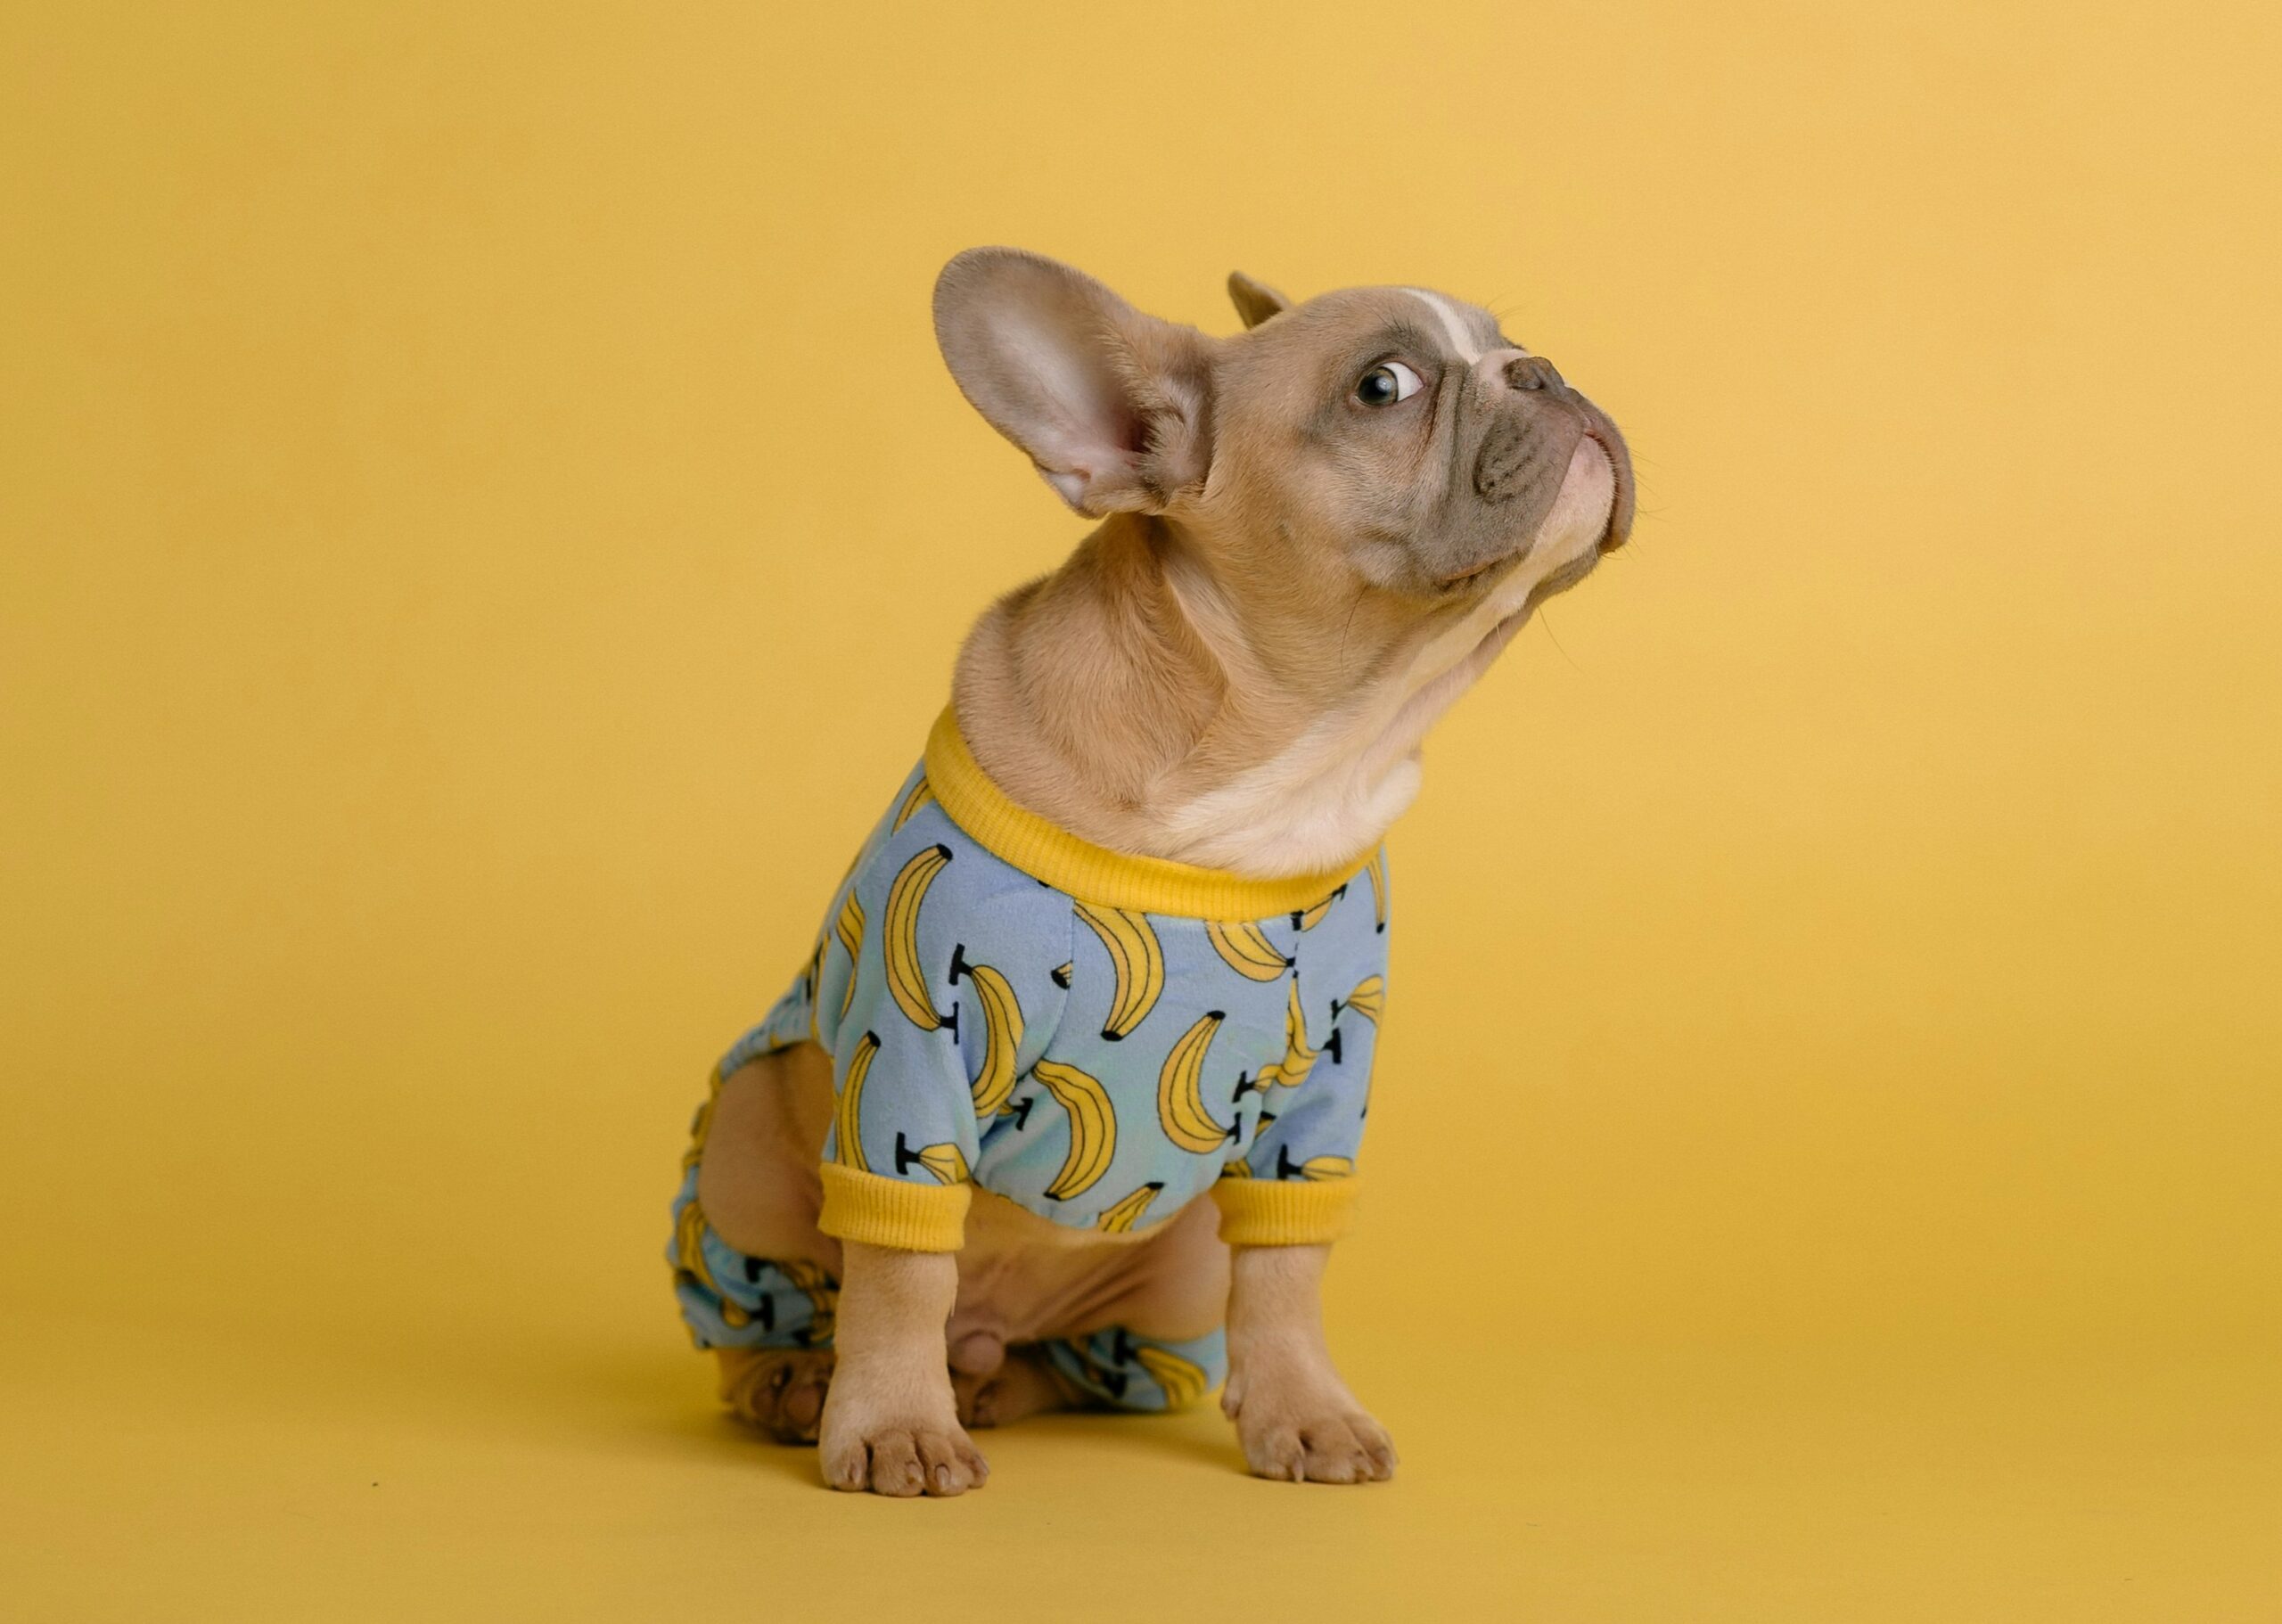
(1391, 439)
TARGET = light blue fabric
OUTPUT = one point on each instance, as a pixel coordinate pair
(731, 1300)
(919, 1079)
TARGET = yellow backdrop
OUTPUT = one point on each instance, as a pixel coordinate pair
(485, 525)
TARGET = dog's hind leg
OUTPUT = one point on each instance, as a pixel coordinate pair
(757, 1284)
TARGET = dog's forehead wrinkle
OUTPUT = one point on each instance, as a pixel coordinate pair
(1455, 326)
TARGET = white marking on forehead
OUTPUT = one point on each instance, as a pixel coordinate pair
(1453, 325)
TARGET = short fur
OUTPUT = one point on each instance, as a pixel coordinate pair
(1235, 669)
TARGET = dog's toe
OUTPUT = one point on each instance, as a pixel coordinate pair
(1335, 1455)
(1378, 1449)
(846, 1467)
(1024, 1385)
(1277, 1452)
(803, 1409)
(1337, 1448)
(944, 1465)
(895, 1466)
(903, 1456)
(782, 1391)
(976, 1398)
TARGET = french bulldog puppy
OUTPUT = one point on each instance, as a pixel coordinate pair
(1313, 536)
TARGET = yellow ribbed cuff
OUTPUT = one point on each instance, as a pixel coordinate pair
(881, 1211)
(1283, 1212)
(1095, 874)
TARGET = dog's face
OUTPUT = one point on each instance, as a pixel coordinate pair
(1387, 439)
(1403, 431)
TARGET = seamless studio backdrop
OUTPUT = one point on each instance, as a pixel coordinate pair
(483, 526)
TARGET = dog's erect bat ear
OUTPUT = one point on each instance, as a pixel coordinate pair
(1111, 404)
(1255, 302)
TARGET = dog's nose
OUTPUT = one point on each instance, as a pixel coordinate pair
(1531, 372)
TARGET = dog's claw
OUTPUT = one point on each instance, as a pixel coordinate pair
(1342, 1446)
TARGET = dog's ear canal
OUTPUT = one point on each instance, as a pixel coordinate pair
(1255, 302)
(1114, 406)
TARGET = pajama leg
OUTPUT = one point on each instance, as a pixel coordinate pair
(731, 1300)
(1124, 1370)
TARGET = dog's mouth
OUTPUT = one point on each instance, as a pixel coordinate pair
(1603, 433)
(1616, 529)
(1479, 573)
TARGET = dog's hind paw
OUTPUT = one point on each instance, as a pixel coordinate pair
(780, 1390)
(1024, 1385)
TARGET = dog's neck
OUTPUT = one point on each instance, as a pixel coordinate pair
(1147, 702)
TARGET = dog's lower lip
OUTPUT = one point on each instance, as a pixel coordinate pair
(1467, 577)
(1619, 467)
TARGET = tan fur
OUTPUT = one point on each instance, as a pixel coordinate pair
(1292, 587)
(1236, 669)
(1255, 302)
(1294, 1417)
(949, 1351)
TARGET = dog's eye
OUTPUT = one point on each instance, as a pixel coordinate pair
(1386, 383)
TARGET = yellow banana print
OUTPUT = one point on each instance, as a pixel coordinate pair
(1298, 1059)
(1239, 1168)
(816, 986)
(689, 1233)
(921, 794)
(1246, 949)
(1183, 1380)
(1368, 999)
(1093, 1127)
(906, 980)
(1320, 1169)
(701, 1124)
(947, 1162)
(1180, 1090)
(1378, 873)
(1002, 1032)
(689, 1251)
(822, 1292)
(850, 928)
(848, 1118)
(1308, 919)
(1060, 974)
(1138, 960)
(1120, 1216)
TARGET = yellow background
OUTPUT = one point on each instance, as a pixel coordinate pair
(485, 526)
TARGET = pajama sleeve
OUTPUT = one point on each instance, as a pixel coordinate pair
(1295, 1184)
(921, 1026)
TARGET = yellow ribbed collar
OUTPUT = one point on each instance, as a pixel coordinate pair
(1095, 874)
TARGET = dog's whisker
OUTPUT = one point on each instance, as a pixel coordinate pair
(1133, 895)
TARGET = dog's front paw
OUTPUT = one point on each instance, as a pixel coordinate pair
(1308, 1432)
(900, 1446)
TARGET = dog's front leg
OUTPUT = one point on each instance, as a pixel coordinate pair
(890, 1422)
(1294, 1416)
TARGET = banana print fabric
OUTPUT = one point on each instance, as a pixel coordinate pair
(1098, 1063)
(731, 1300)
